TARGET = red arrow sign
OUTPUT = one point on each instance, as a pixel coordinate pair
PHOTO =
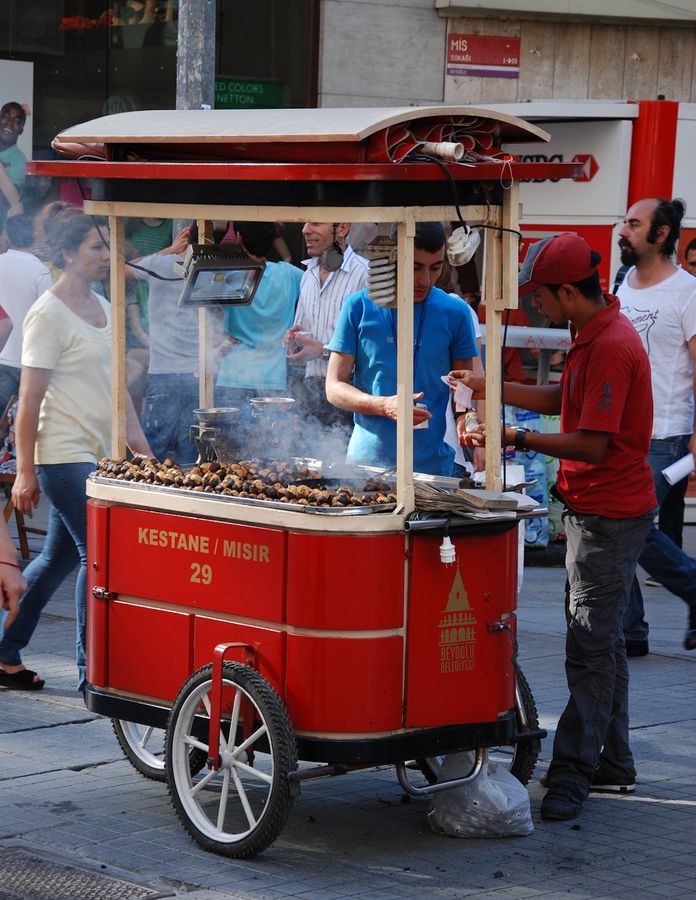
(589, 166)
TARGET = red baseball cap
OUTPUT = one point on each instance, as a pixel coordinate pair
(559, 259)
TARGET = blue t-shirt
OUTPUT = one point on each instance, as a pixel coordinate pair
(258, 361)
(365, 331)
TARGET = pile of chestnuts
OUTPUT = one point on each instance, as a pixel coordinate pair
(252, 479)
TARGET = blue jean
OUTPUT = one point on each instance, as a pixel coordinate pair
(661, 557)
(672, 511)
(458, 471)
(168, 415)
(592, 732)
(65, 547)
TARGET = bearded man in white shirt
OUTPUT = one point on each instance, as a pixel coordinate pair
(660, 299)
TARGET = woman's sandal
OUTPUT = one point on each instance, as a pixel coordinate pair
(20, 681)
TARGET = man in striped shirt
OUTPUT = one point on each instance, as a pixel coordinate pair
(333, 271)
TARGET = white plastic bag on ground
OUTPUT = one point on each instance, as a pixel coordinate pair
(494, 804)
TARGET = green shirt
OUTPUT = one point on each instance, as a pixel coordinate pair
(14, 161)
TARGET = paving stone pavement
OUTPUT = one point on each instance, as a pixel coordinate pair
(67, 793)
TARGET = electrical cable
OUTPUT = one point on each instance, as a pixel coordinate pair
(422, 157)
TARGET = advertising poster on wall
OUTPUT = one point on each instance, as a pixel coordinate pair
(17, 84)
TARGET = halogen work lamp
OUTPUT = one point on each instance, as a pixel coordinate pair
(218, 275)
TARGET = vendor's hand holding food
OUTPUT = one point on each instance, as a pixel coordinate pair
(474, 438)
(465, 425)
(388, 408)
(475, 382)
(477, 436)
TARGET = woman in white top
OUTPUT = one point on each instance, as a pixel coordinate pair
(63, 425)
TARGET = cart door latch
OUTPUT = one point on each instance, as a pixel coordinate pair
(101, 593)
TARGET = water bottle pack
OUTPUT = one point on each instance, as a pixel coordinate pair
(537, 529)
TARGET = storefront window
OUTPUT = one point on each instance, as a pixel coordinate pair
(267, 53)
(91, 57)
(95, 57)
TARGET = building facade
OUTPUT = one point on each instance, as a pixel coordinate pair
(410, 51)
(92, 57)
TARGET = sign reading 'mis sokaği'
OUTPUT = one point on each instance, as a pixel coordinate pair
(483, 55)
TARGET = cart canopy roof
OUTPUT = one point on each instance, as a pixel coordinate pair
(351, 157)
(288, 125)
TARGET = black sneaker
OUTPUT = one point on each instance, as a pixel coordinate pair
(612, 784)
(563, 800)
(620, 784)
(690, 639)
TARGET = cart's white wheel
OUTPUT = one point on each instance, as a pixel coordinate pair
(143, 746)
(240, 809)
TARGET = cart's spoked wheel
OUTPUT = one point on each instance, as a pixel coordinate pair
(240, 809)
(520, 758)
(143, 746)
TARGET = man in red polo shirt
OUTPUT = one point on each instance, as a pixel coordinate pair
(605, 402)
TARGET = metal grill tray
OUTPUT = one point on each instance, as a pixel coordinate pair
(248, 501)
(333, 475)
(329, 482)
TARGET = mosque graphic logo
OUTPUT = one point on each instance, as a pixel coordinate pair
(457, 629)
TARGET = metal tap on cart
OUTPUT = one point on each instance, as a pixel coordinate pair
(259, 633)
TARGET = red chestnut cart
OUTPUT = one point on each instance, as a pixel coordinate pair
(256, 635)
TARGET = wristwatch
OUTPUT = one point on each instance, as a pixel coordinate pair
(520, 434)
(325, 353)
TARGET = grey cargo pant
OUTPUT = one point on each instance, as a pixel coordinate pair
(601, 562)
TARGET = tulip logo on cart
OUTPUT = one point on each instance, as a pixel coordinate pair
(457, 631)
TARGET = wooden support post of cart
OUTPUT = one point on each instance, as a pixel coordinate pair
(500, 295)
(118, 336)
(291, 629)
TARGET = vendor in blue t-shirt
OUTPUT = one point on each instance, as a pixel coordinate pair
(362, 368)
